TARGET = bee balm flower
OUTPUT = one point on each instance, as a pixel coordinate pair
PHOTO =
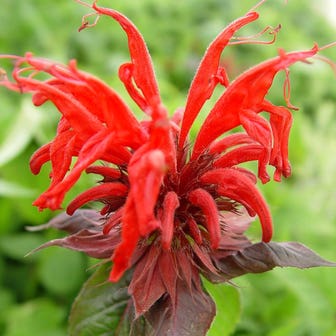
(173, 209)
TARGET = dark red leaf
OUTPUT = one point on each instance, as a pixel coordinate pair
(262, 257)
(192, 315)
(82, 219)
(94, 244)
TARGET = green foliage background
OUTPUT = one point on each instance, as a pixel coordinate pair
(36, 292)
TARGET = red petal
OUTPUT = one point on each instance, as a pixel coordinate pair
(195, 231)
(113, 220)
(107, 172)
(237, 186)
(206, 78)
(62, 150)
(243, 154)
(202, 199)
(281, 121)
(146, 172)
(170, 204)
(39, 158)
(130, 236)
(102, 191)
(142, 70)
(229, 141)
(93, 150)
(247, 92)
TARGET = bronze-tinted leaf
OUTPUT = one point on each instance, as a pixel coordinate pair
(262, 257)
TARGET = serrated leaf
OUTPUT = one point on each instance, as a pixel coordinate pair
(228, 308)
(102, 308)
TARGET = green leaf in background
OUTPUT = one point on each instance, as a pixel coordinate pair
(6, 302)
(16, 246)
(61, 271)
(39, 317)
(228, 308)
(10, 189)
(20, 132)
(101, 308)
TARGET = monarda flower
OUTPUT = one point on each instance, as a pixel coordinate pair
(173, 208)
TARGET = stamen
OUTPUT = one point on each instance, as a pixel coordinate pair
(257, 6)
(85, 22)
(327, 46)
(83, 3)
(286, 91)
(327, 60)
(260, 3)
(251, 39)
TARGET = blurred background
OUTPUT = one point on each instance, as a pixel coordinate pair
(36, 292)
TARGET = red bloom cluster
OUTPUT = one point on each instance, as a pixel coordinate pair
(171, 209)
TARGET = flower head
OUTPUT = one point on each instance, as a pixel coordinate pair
(172, 209)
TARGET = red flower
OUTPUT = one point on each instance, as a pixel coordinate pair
(172, 209)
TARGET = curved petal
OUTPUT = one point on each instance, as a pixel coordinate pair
(39, 158)
(94, 149)
(209, 74)
(237, 186)
(202, 199)
(142, 69)
(281, 121)
(101, 191)
(231, 140)
(169, 205)
(145, 175)
(130, 236)
(247, 92)
(253, 152)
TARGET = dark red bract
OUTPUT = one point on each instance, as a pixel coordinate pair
(172, 208)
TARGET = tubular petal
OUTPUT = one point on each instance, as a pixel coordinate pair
(281, 121)
(247, 92)
(202, 199)
(195, 231)
(129, 239)
(102, 191)
(206, 79)
(62, 150)
(91, 151)
(169, 205)
(39, 158)
(142, 70)
(239, 187)
(107, 172)
(231, 140)
(246, 153)
(113, 220)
